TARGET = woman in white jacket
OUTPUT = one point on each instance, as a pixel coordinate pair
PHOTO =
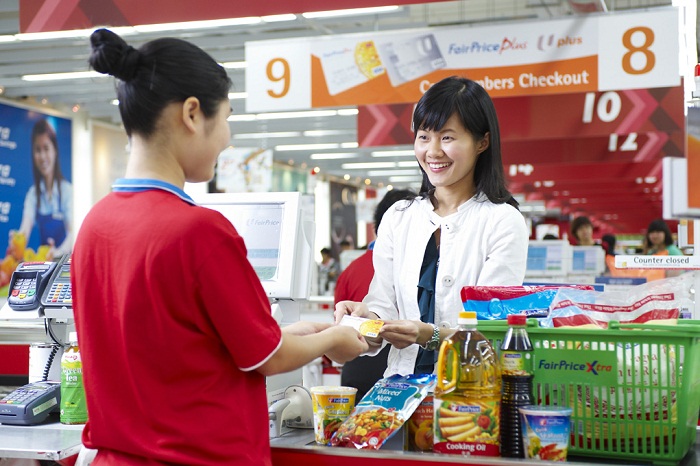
(463, 229)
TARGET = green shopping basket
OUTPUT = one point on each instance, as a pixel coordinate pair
(634, 389)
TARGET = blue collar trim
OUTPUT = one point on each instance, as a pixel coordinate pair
(137, 185)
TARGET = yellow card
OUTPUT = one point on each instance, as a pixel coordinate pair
(366, 327)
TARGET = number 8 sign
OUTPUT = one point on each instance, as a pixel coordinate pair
(638, 50)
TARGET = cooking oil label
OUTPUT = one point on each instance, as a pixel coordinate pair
(466, 427)
(516, 363)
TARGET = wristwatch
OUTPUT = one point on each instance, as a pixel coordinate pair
(434, 342)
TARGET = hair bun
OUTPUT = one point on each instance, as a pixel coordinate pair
(128, 65)
(112, 55)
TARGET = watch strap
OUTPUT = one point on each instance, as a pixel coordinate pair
(432, 344)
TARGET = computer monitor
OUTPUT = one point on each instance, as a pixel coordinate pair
(588, 260)
(548, 258)
(278, 231)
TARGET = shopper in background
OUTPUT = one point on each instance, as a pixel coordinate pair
(659, 240)
(175, 329)
(464, 229)
(328, 271)
(582, 231)
(49, 202)
(608, 243)
(353, 284)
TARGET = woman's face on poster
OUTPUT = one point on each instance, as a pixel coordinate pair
(44, 155)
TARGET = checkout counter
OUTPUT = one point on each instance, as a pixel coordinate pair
(55, 441)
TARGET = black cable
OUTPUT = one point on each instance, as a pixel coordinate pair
(54, 349)
(49, 362)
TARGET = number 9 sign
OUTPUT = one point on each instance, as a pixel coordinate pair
(638, 50)
(278, 76)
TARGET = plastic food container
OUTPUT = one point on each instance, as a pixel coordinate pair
(546, 432)
(332, 405)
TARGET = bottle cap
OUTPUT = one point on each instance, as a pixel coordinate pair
(467, 318)
(73, 337)
(517, 319)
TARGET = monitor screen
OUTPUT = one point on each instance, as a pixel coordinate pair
(587, 259)
(278, 234)
(547, 258)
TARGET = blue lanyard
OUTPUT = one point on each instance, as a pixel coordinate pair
(137, 185)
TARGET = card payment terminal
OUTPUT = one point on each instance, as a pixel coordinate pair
(30, 404)
(27, 284)
(58, 292)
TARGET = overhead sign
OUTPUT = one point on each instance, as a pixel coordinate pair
(585, 54)
(634, 124)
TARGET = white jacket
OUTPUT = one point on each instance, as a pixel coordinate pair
(480, 244)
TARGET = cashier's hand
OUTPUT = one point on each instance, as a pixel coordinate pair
(401, 333)
(354, 308)
(347, 343)
(302, 328)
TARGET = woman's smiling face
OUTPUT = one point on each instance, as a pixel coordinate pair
(44, 154)
(448, 155)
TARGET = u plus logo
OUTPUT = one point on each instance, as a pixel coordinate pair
(545, 43)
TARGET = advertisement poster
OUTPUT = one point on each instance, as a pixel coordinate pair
(35, 153)
(343, 217)
(596, 54)
(244, 170)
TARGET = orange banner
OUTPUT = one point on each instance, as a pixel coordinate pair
(556, 77)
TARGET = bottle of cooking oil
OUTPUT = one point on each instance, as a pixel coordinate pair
(467, 393)
(73, 406)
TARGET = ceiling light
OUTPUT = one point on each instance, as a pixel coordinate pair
(351, 12)
(334, 156)
(279, 18)
(366, 165)
(404, 179)
(7, 38)
(306, 146)
(349, 145)
(346, 177)
(327, 132)
(407, 163)
(368, 181)
(348, 111)
(60, 76)
(237, 95)
(390, 172)
(279, 134)
(235, 65)
(207, 24)
(242, 117)
(305, 114)
(74, 33)
(393, 153)
(115, 102)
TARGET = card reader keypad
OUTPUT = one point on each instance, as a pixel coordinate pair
(21, 395)
(60, 293)
(24, 290)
